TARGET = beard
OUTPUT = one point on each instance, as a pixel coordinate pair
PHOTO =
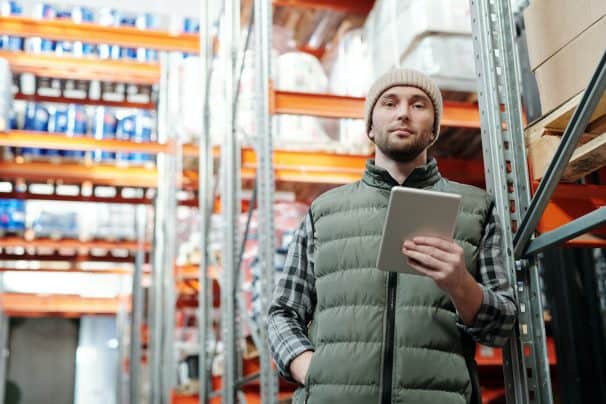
(403, 152)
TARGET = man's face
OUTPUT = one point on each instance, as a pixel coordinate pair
(402, 123)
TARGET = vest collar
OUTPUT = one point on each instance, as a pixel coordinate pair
(421, 177)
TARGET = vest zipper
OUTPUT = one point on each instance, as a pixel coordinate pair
(392, 282)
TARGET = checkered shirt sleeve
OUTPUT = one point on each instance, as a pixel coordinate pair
(293, 301)
(494, 322)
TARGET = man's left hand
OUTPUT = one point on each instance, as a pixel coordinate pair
(439, 258)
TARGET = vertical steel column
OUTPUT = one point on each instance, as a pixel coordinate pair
(4, 351)
(525, 357)
(121, 322)
(171, 171)
(205, 201)
(265, 186)
(230, 156)
(137, 309)
(158, 268)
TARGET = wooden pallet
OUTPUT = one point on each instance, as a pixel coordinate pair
(544, 136)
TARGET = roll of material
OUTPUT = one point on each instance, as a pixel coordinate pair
(398, 33)
(6, 99)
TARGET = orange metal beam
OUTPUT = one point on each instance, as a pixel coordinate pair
(362, 7)
(456, 114)
(569, 202)
(84, 101)
(94, 33)
(77, 174)
(72, 258)
(18, 305)
(71, 244)
(63, 67)
(21, 138)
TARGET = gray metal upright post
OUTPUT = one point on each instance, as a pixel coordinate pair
(205, 202)
(137, 309)
(4, 349)
(525, 356)
(230, 180)
(157, 310)
(170, 169)
(265, 186)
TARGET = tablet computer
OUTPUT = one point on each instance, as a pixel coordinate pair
(414, 212)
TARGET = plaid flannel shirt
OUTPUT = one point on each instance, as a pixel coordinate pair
(294, 298)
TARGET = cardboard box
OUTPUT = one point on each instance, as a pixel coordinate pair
(552, 24)
(568, 72)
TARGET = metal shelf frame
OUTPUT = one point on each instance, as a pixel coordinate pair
(526, 368)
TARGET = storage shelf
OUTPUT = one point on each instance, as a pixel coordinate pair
(362, 7)
(84, 101)
(32, 305)
(456, 114)
(488, 356)
(60, 141)
(6, 242)
(72, 173)
(98, 34)
(89, 68)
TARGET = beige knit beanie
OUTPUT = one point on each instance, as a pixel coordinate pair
(404, 77)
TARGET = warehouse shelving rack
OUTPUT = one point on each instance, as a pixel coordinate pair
(569, 201)
(527, 359)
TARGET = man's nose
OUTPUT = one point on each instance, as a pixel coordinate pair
(402, 111)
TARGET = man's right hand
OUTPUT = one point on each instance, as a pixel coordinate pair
(300, 365)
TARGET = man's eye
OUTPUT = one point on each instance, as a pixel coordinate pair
(389, 103)
(419, 105)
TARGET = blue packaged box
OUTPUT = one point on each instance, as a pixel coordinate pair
(104, 127)
(77, 125)
(13, 43)
(42, 11)
(57, 123)
(82, 15)
(144, 129)
(143, 22)
(128, 53)
(110, 18)
(125, 130)
(36, 119)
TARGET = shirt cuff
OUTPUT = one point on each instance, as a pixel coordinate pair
(285, 369)
(491, 325)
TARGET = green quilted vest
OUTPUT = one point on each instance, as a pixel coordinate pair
(385, 337)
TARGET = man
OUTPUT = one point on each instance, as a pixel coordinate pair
(385, 337)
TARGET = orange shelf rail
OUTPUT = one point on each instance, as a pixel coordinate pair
(31, 305)
(6, 242)
(71, 173)
(63, 67)
(84, 101)
(21, 138)
(488, 356)
(361, 7)
(456, 114)
(98, 34)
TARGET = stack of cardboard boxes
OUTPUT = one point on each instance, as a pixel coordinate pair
(566, 40)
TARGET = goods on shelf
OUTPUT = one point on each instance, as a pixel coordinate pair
(350, 75)
(399, 33)
(77, 120)
(556, 36)
(5, 95)
(83, 221)
(559, 32)
(8, 8)
(301, 72)
(12, 216)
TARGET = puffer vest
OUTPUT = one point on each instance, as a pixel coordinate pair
(383, 337)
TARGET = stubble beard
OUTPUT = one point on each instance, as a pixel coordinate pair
(403, 152)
